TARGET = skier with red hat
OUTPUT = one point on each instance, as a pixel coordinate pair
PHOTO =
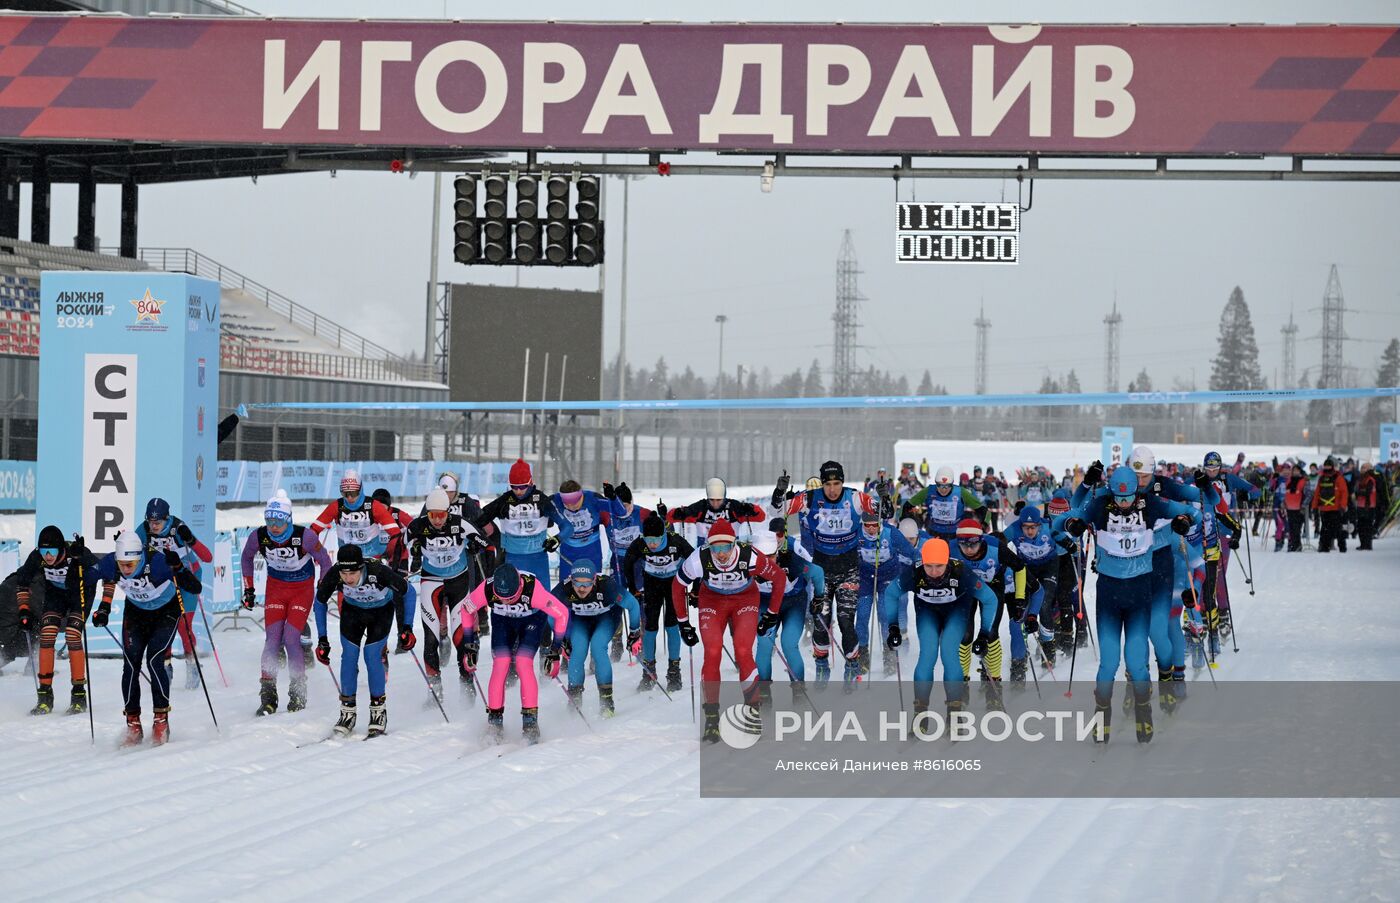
(523, 515)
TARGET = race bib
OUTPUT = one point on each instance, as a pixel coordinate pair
(1128, 543)
(941, 510)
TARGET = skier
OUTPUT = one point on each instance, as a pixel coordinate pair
(525, 514)
(368, 589)
(655, 557)
(396, 555)
(714, 507)
(292, 555)
(154, 587)
(945, 593)
(159, 531)
(725, 572)
(356, 519)
(520, 609)
(942, 505)
(830, 519)
(70, 576)
(805, 580)
(625, 522)
(441, 545)
(1033, 541)
(596, 602)
(1124, 540)
(1227, 487)
(884, 552)
(586, 514)
(994, 561)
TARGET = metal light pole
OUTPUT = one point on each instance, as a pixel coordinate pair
(721, 319)
(433, 275)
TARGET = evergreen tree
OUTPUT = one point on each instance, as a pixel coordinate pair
(1236, 364)
(925, 385)
(812, 387)
(1387, 376)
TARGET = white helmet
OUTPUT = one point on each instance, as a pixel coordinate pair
(448, 481)
(766, 542)
(944, 476)
(715, 489)
(437, 500)
(279, 507)
(1142, 460)
(909, 528)
(129, 546)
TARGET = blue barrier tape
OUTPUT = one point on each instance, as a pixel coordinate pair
(1107, 399)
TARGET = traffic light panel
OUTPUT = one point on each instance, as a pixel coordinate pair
(466, 233)
(588, 234)
(527, 224)
(542, 231)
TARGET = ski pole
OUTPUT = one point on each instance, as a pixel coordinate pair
(1030, 665)
(572, 702)
(1080, 614)
(334, 679)
(200, 669)
(793, 677)
(899, 677)
(1249, 578)
(429, 684)
(199, 603)
(33, 665)
(135, 668)
(691, 650)
(82, 619)
(1195, 600)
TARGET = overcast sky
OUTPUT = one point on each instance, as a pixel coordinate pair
(357, 246)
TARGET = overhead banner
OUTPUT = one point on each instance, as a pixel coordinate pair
(128, 399)
(834, 88)
(1390, 443)
(1117, 445)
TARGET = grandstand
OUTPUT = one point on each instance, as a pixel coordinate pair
(271, 349)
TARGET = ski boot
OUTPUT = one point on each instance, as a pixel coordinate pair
(1179, 683)
(296, 695)
(1064, 638)
(495, 725)
(799, 694)
(955, 708)
(1128, 698)
(45, 704)
(1018, 673)
(710, 733)
(1143, 715)
(606, 709)
(1103, 710)
(992, 695)
(191, 674)
(1195, 641)
(435, 687)
(648, 676)
(530, 725)
(160, 727)
(133, 735)
(921, 727)
(1166, 691)
(1081, 639)
(1046, 641)
(863, 658)
(468, 683)
(78, 702)
(851, 675)
(346, 725)
(765, 695)
(378, 717)
(823, 667)
(1213, 640)
(1226, 625)
(576, 700)
(267, 693)
(888, 663)
(673, 676)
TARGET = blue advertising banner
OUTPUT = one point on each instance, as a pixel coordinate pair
(17, 486)
(253, 482)
(1390, 443)
(128, 400)
(1117, 445)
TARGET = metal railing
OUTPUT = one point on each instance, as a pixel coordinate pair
(188, 260)
(242, 354)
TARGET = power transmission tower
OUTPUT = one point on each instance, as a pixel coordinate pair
(1113, 325)
(848, 298)
(983, 327)
(1334, 334)
(1290, 354)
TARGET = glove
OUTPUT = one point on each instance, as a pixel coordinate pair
(609, 492)
(173, 560)
(250, 597)
(99, 617)
(893, 639)
(551, 659)
(780, 491)
(661, 509)
(1200, 478)
(182, 530)
(323, 651)
(1031, 623)
(25, 619)
(1017, 609)
(688, 634)
(476, 545)
(634, 641)
(1188, 600)
(406, 639)
(1234, 543)
(979, 645)
(767, 621)
(551, 543)
(415, 566)
(821, 607)
(77, 549)
(469, 655)
(886, 506)
(1181, 525)
(1075, 526)
(1094, 475)
(1068, 544)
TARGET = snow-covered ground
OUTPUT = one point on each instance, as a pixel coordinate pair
(430, 812)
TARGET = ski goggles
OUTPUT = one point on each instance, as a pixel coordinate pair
(49, 551)
(655, 543)
(583, 585)
(722, 547)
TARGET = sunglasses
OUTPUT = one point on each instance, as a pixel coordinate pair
(583, 585)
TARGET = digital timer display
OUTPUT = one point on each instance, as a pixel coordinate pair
(956, 247)
(957, 217)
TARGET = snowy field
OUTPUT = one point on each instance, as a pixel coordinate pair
(431, 812)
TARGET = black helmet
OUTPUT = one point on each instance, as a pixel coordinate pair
(778, 525)
(349, 558)
(506, 583)
(654, 525)
(382, 496)
(831, 470)
(51, 538)
(624, 493)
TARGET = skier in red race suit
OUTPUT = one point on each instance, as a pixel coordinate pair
(726, 572)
